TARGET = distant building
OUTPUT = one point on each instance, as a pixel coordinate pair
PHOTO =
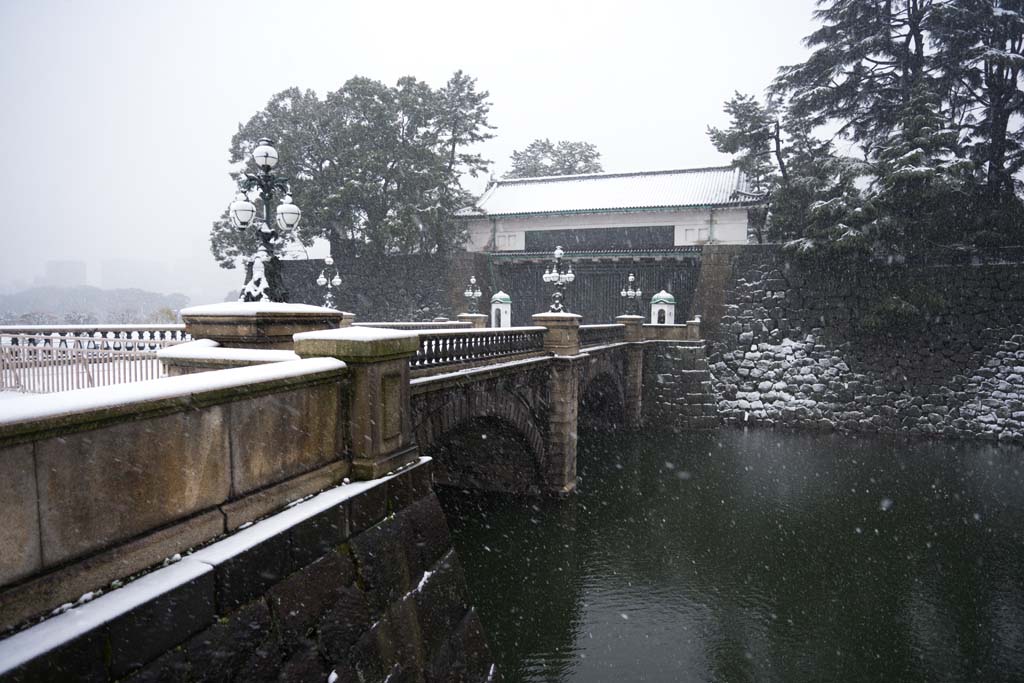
(649, 210)
(62, 274)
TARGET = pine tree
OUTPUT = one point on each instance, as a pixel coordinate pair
(543, 158)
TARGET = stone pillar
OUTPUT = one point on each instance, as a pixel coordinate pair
(258, 324)
(559, 469)
(563, 335)
(633, 382)
(378, 409)
(474, 319)
(562, 339)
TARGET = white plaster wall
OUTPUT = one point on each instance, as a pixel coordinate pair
(692, 226)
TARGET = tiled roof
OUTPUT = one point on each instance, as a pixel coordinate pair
(602, 192)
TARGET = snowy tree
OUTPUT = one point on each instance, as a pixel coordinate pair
(980, 48)
(544, 158)
(372, 166)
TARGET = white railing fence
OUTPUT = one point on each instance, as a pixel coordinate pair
(61, 359)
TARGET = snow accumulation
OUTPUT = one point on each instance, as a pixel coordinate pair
(367, 334)
(55, 631)
(473, 371)
(207, 349)
(42, 406)
(254, 308)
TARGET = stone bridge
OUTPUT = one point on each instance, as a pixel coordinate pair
(272, 498)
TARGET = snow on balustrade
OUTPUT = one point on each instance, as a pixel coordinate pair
(596, 335)
(44, 359)
(435, 325)
(452, 347)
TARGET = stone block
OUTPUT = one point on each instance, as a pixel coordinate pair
(257, 324)
(298, 601)
(250, 573)
(281, 435)
(319, 535)
(170, 667)
(409, 486)
(441, 602)
(240, 640)
(379, 553)
(20, 550)
(464, 656)
(178, 466)
(367, 509)
(81, 659)
(144, 633)
(261, 503)
(399, 640)
(343, 624)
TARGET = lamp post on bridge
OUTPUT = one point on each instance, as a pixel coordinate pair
(631, 295)
(265, 281)
(473, 295)
(330, 284)
(555, 275)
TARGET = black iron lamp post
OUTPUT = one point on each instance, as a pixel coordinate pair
(631, 295)
(555, 275)
(330, 284)
(473, 295)
(265, 280)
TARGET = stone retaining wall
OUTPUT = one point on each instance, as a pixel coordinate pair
(677, 388)
(366, 587)
(824, 346)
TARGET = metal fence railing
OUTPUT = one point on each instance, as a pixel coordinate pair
(58, 359)
(455, 347)
(597, 335)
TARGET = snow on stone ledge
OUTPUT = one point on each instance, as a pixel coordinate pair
(58, 630)
(43, 406)
(207, 349)
(362, 334)
(255, 308)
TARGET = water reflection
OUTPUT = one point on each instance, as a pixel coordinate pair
(757, 555)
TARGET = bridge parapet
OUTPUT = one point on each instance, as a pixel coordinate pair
(101, 483)
(598, 335)
(442, 350)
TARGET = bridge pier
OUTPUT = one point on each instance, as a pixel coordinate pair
(562, 339)
(633, 381)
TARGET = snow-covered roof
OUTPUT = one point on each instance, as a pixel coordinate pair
(603, 192)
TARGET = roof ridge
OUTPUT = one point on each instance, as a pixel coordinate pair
(618, 174)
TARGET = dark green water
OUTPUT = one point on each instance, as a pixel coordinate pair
(757, 556)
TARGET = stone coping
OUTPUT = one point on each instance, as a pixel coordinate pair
(208, 351)
(357, 344)
(246, 309)
(462, 374)
(47, 414)
(56, 631)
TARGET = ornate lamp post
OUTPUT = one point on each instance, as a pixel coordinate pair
(631, 295)
(555, 275)
(329, 284)
(265, 282)
(473, 295)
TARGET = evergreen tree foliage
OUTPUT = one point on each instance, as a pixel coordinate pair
(373, 167)
(543, 158)
(927, 92)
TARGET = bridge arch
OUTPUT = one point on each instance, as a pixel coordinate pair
(602, 394)
(483, 440)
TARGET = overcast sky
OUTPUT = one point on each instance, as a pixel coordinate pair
(117, 115)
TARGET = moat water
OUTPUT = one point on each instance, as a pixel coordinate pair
(757, 556)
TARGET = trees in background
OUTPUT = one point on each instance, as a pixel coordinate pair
(544, 158)
(927, 95)
(369, 164)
